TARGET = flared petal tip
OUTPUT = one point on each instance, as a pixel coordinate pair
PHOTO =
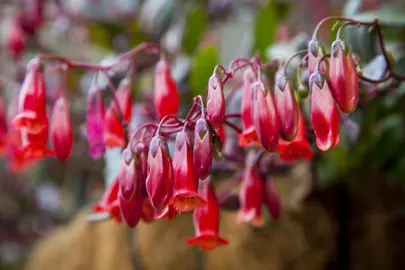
(29, 121)
(207, 242)
(248, 137)
(296, 151)
(187, 201)
(250, 217)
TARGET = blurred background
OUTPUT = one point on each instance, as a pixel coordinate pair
(344, 210)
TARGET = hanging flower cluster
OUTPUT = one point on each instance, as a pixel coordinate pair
(167, 162)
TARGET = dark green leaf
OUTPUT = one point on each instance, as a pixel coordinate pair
(266, 24)
(389, 14)
(203, 65)
(196, 23)
(352, 7)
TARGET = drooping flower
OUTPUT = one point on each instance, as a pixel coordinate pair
(185, 197)
(114, 129)
(109, 201)
(315, 53)
(159, 182)
(202, 151)
(30, 16)
(249, 133)
(324, 113)
(344, 82)
(251, 195)
(299, 148)
(166, 95)
(206, 220)
(286, 106)
(95, 123)
(215, 101)
(272, 199)
(131, 210)
(127, 176)
(31, 114)
(61, 129)
(265, 116)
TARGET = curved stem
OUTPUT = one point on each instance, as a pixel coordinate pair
(385, 78)
(318, 65)
(164, 119)
(292, 57)
(200, 99)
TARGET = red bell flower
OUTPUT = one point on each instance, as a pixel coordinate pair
(202, 151)
(324, 113)
(114, 135)
(265, 117)
(206, 220)
(251, 195)
(61, 129)
(185, 197)
(131, 210)
(286, 106)
(159, 182)
(344, 82)
(166, 95)
(315, 53)
(249, 133)
(272, 199)
(297, 149)
(95, 123)
(31, 114)
(109, 201)
(3, 126)
(215, 101)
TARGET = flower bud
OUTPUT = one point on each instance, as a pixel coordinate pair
(131, 210)
(286, 105)
(215, 101)
(266, 120)
(127, 176)
(324, 113)
(61, 129)
(202, 151)
(166, 96)
(206, 220)
(344, 82)
(315, 53)
(159, 182)
(95, 124)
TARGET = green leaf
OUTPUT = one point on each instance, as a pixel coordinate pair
(389, 14)
(266, 24)
(196, 23)
(202, 67)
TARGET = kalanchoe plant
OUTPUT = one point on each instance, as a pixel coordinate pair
(167, 162)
